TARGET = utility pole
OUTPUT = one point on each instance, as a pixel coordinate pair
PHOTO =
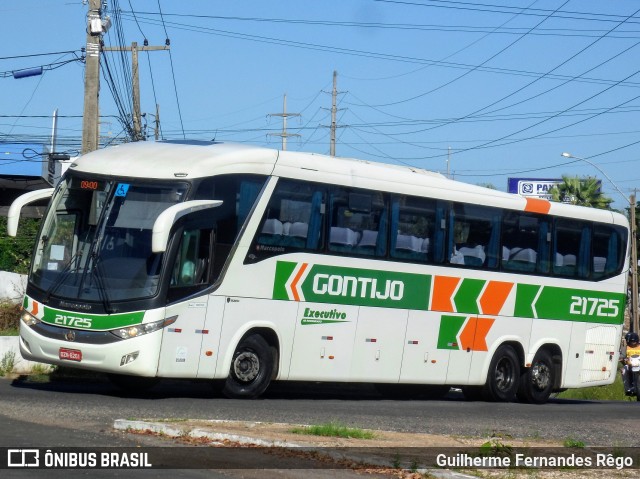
(284, 116)
(334, 111)
(156, 130)
(634, 264)
(91, 78)
(134, 49)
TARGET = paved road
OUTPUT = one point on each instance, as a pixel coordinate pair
(92, 406)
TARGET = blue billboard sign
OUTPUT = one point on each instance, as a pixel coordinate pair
(536, 187)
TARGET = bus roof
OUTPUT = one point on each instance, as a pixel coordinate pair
(197, 159)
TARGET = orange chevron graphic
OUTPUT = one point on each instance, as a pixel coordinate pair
(443, 288)
(34, 310)
(494, 296)
(474, 334)
(294, 283)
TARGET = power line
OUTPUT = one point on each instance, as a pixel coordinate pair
(173, 75)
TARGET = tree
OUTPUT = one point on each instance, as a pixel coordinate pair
(580, 191)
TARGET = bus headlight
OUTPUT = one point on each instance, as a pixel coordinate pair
(28, 318)
(144, 328)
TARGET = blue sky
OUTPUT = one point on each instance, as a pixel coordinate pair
(500, 89)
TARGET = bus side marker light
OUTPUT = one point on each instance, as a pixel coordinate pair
(331, 357)
(208, 353)
(433, 361)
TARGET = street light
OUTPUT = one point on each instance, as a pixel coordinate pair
(634, 252)
(569, 155)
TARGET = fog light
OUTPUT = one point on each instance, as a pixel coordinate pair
(129, 358)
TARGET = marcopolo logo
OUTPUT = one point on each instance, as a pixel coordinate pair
(354, 286)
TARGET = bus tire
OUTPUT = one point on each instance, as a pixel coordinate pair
(503, 378)
(536, 383)
(251, 369)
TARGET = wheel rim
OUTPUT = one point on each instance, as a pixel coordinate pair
(246, 366)
(540, 376)
(504, 374)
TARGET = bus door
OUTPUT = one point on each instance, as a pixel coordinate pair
(189, 276)
(182, 340)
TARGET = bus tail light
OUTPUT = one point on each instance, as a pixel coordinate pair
(145, 328)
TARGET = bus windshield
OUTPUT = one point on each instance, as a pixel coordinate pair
(95, 243)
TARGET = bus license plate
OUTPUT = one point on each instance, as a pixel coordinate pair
(70, 354)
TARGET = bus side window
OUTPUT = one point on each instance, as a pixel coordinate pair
(359, 221)
(474, 236)
(293, 219)
(413, 226)
(608, 250)
(525, 243)
(191, 267)
(572, 248)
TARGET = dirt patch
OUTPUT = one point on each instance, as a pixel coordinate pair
(248, 434)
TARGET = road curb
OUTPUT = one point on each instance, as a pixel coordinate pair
(174, 430)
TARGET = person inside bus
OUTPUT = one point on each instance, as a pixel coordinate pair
(633, 348)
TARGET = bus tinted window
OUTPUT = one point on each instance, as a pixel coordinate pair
(413, 228)
(294, 216)
(434, 231)
(474, 236)
(572, 248)
(525, 243)
(358, 222)
(608, 250)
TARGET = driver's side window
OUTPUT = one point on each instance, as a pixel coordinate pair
(192, 265)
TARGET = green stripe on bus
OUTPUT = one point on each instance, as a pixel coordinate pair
(389, 289)
(94, 322)
(569, 304)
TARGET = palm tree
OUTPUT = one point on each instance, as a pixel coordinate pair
(581, 191)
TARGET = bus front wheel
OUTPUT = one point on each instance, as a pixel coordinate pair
(537, 381)
(251, 369)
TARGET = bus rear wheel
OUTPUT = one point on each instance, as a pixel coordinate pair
(536, 383)
(504, 375)
(251, 369)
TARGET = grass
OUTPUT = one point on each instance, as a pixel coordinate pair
(612, 392)
(334, 429)
(9, 319)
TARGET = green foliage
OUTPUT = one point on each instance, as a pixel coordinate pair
(9, 319)
(334, 429)
(611, 392)
(15, 253)
(580, 191)
(573, 443)
(7, 363)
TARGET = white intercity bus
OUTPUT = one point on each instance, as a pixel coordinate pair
(246, 265)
